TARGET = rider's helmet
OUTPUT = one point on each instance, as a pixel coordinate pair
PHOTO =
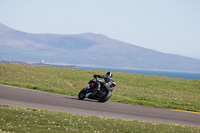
(109, 73)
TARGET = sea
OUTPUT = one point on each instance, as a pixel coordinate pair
(173, 74)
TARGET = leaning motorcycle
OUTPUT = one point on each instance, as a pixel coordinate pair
(102, 95)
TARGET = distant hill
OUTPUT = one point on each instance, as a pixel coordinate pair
(87, 49)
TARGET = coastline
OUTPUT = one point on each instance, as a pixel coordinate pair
(157, 72)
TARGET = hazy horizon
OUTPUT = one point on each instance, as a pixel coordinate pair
(171, 26)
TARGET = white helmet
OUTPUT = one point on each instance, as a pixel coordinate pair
(109, 73)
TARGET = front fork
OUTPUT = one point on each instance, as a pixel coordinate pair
(87, 89)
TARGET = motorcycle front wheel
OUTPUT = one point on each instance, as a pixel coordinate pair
(81, 94)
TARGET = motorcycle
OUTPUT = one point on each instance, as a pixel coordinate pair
(102, 95)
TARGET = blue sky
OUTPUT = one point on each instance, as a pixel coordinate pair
(169, 26)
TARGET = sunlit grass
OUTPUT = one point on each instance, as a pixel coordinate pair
(15, 119)
(137, 89)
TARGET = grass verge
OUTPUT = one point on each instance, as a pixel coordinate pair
(15, 119)
(137, 89)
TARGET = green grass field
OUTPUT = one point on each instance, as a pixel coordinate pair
(15, 119)
(136, 89)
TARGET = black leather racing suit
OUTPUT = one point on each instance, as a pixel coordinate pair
(107, 79)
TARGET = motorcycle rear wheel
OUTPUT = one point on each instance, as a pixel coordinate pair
(106, 97)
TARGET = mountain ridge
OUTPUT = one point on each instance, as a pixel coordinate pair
(87, 49)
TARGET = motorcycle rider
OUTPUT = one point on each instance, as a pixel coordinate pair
(107, 78)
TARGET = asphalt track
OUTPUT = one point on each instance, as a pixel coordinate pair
(14, 96)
